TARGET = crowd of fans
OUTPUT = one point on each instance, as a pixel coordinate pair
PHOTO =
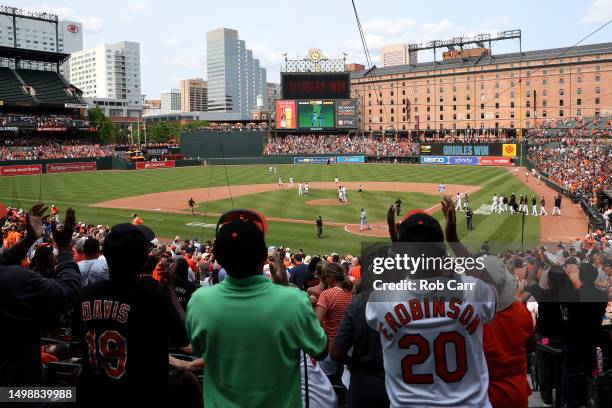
(339, 144)
(38, 149)
(587, 127)
(44, 121)
(246, 333)
(582, 166)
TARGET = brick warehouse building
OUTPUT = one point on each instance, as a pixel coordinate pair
(478, 90)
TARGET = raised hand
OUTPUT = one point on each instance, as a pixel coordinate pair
(393, 226)
(450, 230)
(63, 237)
(34, 221)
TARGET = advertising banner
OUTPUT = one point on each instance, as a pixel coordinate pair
(434, 160)
(74, 167)
(346, 114)
(51, 129)
(21, 170)
(313, 160)
(468, 160)
(286, 115)
(495, 161)
(350, 159)
(155, 165)
(464, 160)
(10, 129)
(469, 149)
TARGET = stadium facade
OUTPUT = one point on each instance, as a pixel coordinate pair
(235, 77)
(505, 91)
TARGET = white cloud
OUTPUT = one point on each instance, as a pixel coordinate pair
(173, 42)
(91, 24)
(599, 11)
(139, 6)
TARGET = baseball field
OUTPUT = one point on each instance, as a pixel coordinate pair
(160, 198)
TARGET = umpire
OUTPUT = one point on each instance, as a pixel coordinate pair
(319, 223)
(468, 216)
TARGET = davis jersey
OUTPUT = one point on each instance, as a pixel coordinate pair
(432, 348)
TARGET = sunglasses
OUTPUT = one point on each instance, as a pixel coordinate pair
(244, 215)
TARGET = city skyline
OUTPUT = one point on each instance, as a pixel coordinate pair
(173, 43)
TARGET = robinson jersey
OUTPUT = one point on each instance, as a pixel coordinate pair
(432, 349)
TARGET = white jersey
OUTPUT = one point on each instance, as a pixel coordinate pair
(306, 187)
(432, 350)
(494, 200)
(336, 180)
(441, 188)
(320, 391)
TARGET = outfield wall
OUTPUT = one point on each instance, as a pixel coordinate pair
(210, 144)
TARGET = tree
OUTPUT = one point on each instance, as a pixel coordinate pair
(107, 131)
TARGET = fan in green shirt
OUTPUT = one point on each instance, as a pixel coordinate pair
(249, 330)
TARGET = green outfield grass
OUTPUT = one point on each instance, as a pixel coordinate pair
(83, 189)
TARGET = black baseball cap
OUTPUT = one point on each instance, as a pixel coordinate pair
(126, 248)
(239, 247)
(91, 246)
(418, 226)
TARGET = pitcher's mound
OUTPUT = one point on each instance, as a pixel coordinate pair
(326, 201)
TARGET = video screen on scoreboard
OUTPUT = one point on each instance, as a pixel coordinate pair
(346, 114)
(286, 115)
(316, 115)
(316, 85)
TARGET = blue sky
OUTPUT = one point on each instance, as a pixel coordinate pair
(172, 34)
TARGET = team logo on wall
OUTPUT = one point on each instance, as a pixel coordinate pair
(72, 28)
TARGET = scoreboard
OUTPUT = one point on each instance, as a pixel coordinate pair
(327, 85)
(316, 101)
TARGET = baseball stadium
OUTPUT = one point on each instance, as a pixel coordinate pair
(344, 163)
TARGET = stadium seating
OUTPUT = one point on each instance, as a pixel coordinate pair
(11, 89)
(50, 87)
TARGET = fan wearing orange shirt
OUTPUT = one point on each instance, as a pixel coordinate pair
(54, 213)
(136, 220)
(506, 341)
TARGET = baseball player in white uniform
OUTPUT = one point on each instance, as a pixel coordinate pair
(459, 206)
(291, 181)
(336, 180)
(300, 189)
(343, 189)
(306, 189)
(280, 181)
(534, 207)
(340, 199)
(494, 204)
